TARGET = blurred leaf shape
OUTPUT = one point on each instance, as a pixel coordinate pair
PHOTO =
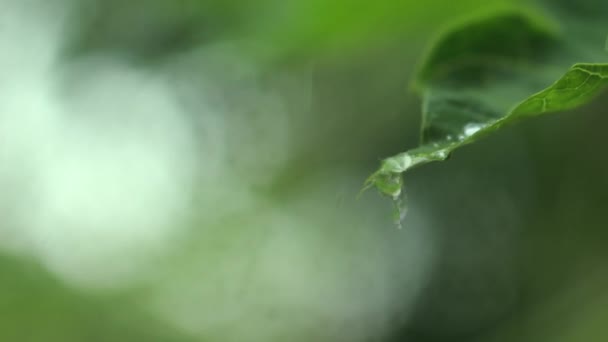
(149, 30)
(487, 73)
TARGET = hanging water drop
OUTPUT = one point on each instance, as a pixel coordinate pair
(399, 209)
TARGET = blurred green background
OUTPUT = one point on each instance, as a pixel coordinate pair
(188, 171)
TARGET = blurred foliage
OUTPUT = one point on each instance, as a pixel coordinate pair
(34, 306)
(271, 28)
(277, 248)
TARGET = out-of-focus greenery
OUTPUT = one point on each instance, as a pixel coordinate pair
(290, 104)
(37, 307)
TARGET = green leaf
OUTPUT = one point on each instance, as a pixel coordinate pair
(487, 73)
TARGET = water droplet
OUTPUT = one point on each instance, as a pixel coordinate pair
(441, 154)
(472, 128)
(399, 209)
(396, 195)
(398, 163)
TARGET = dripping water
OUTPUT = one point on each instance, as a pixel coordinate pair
(400, 208)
